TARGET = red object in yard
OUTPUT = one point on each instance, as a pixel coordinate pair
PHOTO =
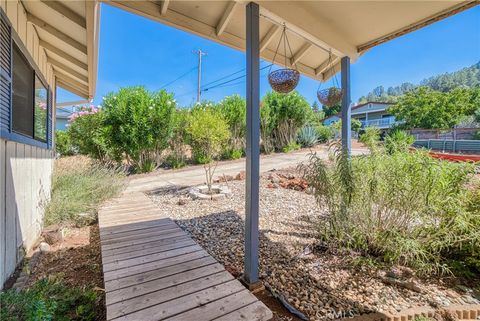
(456, 157)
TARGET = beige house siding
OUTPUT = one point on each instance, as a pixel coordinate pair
(25, 170)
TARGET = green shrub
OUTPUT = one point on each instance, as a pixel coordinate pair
(324, 133)
(406, 207)
(88, 135)
(233, 109)
(232, 154)
(307, 136)
(79, 187)
(178, 140)
(139, 125)
(370, 137)
(48, 299)
(398, 140)
(290, 147)
(284, 115)
(63, 144)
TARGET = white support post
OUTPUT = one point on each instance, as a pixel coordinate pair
(346, 108)
(250, 276)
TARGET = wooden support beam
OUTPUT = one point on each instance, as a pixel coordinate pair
(300, 53)
(164, 7)
(346, 107)
(58, 65)
(272, 32)
(62, 76)
(227, 15)
(70, 88)
(49, 47)
(327, 64)
(56, 33)
(66, 12)
(420, 24)
(92, 13)
(252, 189)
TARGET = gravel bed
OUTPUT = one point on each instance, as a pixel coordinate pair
(320, 283)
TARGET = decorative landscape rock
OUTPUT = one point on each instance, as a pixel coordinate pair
(320, 283)
(216, 192)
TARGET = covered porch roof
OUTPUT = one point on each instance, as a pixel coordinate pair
(68, 33)
(314, 28)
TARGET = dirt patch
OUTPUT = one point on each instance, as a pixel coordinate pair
(78, 260)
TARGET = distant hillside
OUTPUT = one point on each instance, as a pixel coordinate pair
(466, 77)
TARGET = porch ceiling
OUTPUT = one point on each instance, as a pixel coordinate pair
(346, 28)
(68, 33)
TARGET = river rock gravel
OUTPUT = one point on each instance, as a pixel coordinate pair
(318, 281)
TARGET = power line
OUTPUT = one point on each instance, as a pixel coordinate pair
(228, 81)
(224, 77)
(178, 78)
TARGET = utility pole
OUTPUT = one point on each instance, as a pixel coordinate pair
(200, 53)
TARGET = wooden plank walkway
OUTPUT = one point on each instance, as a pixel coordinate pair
(153, 270)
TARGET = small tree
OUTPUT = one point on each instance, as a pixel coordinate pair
(209, 133)
(233, 109)
(371, 137)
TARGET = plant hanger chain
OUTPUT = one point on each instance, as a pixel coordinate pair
(285, 43)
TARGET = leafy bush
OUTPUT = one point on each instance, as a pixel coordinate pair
(370, 137)
(139, 125)
(307, 136)
(283, 115)
(356, 125)
(87, 133)
(233, 109)
(406, 207)
(232, 154)
(324, 133)
(63, 144)
(48, 299)
(476, 136)
(177, 142)
(79, 187)
(290, 147)
(398, 140)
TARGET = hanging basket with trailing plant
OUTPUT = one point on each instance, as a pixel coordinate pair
(286, 79)
(333, 95)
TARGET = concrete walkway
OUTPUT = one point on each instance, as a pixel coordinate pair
(194, 175)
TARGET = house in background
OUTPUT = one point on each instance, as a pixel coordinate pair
(371, 114)
(61, 119)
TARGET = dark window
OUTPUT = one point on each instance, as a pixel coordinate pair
(22, 104)
(29, 99)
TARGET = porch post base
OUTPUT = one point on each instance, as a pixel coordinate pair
(252, 287)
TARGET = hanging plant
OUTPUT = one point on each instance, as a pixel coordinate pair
(333, 95)
(286, 79)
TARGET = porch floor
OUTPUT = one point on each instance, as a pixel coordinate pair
(153, 270)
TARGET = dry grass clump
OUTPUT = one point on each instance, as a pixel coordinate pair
(80, 186)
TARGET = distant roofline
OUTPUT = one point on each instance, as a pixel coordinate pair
(361, 105)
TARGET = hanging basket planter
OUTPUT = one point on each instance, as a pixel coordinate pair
(330, 96)
(284, 80)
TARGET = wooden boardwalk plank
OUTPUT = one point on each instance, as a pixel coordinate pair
(173, 270)
(144, 301)
(153, 270)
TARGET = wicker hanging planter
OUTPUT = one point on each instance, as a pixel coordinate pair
(283, 80)
(330, 96)
(333, 95)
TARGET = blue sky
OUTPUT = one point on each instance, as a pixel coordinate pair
(138, 51)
